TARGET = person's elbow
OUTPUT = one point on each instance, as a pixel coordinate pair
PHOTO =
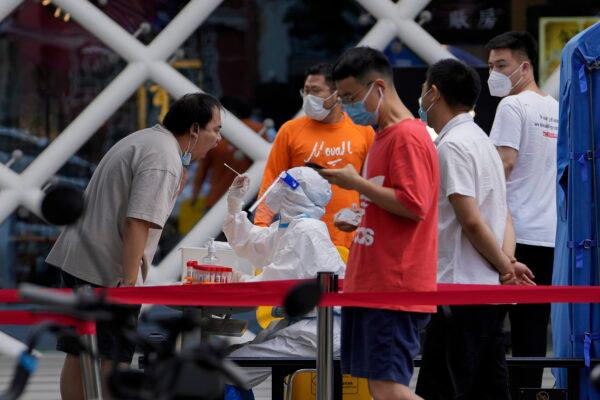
(418, 210)
(471, 225)
(509, 156)
(416, 217)
(412, 208)
(508, 165)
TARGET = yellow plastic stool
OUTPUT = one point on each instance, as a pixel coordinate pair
(264, 315)
(344, 253)
(302, 385)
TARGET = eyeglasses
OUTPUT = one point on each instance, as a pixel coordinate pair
(348, 99)
(317, 92)
(314, 91)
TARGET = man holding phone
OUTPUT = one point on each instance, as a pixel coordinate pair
(324, 138)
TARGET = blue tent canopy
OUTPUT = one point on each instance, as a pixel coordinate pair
(576, 327)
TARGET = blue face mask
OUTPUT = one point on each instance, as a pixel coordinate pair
(359, 114)
(186, 157)
(422, 112)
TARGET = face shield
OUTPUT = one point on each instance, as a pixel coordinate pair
(298, 192)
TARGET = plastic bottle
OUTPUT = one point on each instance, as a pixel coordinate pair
(211, 257)
(209, 260)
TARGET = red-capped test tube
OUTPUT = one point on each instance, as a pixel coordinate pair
(188, 279)
(228, 272)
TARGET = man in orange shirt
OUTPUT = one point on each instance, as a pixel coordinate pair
(325, 136)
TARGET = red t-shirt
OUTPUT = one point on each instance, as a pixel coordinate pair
(391, 253)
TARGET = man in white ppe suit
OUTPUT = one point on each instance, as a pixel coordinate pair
(295, 247)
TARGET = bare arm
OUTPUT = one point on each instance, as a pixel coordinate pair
(509, 243)
(135, 235)
(481, 237)
(508, 155)
(478, 233)
(383, 197)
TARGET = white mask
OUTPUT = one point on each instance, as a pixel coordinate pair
(313, 107)
(500, 84)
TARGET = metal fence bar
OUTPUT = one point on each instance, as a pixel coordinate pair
(325, 340)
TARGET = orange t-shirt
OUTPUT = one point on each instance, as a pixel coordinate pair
(304, 140)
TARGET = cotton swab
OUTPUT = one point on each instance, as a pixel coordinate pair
(232, 170)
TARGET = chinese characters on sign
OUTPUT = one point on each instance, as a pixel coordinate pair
(468, 21)
(459, 19)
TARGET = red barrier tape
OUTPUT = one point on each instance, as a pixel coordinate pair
(32, 318)
(273, 293)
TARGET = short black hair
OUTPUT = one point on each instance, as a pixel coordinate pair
(358, 62)
(516, 41)
(193, 108)
(321, 68)
(457, 82)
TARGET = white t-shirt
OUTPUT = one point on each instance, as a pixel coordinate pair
(528, 123)
(138, 178)
(470, 166)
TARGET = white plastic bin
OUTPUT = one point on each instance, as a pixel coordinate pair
(226, 255)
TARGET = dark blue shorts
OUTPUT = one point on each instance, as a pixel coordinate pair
(381, 344)
(111, 345)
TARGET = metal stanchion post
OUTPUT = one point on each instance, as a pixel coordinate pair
(90, 364)
(328, 283)
(90, 369)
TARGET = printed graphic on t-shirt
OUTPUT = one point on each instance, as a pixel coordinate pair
(365, 235)
(548, 124)
(319, 149)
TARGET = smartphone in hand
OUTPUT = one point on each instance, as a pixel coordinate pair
(314, 165)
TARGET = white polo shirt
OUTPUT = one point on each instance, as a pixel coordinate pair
(469, 166)
(528, 123)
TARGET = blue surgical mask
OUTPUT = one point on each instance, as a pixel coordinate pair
(186, 157)
(359, 114)
(422, 112)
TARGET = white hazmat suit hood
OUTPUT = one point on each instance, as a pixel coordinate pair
(298, 245)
